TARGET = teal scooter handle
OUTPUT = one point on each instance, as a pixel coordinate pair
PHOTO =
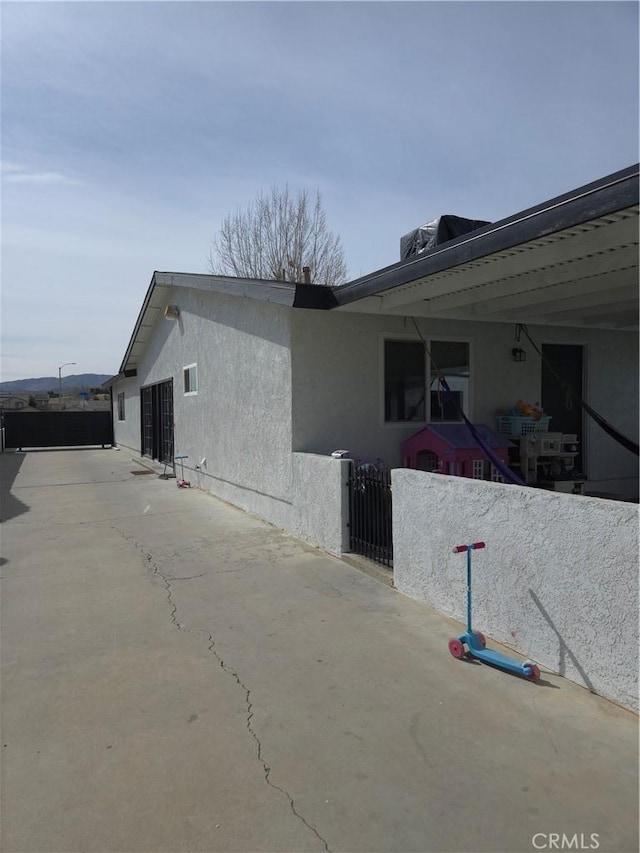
(475, 641)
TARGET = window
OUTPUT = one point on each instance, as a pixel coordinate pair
(478, 469)
(451, 358)
(426, 460)
(496, 475)
(190, 374)
(120, 405)
(404, 381)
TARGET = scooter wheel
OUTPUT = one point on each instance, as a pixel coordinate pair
(482, 639)
(456, 648)
(534, 675)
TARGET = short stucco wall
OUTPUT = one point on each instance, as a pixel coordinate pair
(558, 580)
(320, 501)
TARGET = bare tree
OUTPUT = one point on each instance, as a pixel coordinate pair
(276, 237)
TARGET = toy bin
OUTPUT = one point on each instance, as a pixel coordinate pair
(508, 425)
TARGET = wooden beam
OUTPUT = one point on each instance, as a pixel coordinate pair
(601, 298)
(583, 312)
(570, 292)
(545, 285)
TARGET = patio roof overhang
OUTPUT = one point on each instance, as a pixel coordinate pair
(572, 261)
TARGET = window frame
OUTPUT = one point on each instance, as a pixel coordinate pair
(186, 372)
(478, 469)
(467, 398)
(496, 476)
(120, 404)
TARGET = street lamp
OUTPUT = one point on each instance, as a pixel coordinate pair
(66, 364)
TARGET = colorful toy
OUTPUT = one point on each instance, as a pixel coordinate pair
(475, 641)
(526, 410)
(451, 449)
(182, 483)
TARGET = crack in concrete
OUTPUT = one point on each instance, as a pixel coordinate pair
(190, 578)
(156, 570)
(167, 585)
(212, 648)
(252, 731)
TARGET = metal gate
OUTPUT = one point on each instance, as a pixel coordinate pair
(370, 526)
(146, 406)
(166, 421)
(156, 427)
(57, 429)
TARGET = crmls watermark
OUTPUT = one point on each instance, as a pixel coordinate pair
(562, 841)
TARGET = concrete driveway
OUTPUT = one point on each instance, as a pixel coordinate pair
(179, 676)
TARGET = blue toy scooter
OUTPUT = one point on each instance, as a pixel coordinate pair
(476, 642)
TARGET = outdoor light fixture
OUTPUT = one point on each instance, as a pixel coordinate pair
(518, 354)
(171, 312)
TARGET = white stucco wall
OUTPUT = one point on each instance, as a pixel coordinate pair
(321, 502)
(240, 419)
(127, 432)
(558, 580)
(338, 390)
(612, 390)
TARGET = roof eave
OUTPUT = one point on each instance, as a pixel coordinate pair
(289, 294)
(606, 195)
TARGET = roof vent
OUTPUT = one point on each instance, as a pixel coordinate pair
(435, 233)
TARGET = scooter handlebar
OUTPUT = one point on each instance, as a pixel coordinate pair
(460, 549)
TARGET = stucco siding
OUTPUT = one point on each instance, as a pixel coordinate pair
(126, 433)
(612, 390)
(558, 580)
(320, 500)
(338, 389)
(239, 422)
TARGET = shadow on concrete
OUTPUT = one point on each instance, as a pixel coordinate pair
(10, 506)
(539, 683)
(564, 650)
(74, 448)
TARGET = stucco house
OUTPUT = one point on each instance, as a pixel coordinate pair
(256, 383)
(241, 373)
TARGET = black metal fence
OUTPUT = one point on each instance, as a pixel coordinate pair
(57, 429)
(370, 527)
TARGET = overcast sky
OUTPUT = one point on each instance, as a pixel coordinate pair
(130, 129)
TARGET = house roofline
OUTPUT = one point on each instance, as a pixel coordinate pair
(136, 329)
(599, 198)
(290, 294)
(607, 195)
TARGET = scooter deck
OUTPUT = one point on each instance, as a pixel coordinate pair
(492, 656)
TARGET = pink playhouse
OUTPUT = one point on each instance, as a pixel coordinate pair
(452, 449)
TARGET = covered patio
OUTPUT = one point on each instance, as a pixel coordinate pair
(565, 270)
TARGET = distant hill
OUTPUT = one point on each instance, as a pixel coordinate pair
(50, 383)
